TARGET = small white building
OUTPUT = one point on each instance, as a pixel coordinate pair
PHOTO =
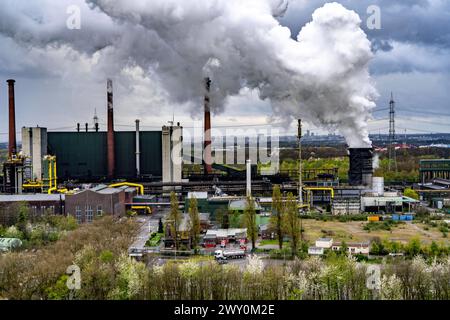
(353, 248)
(325, 243)
(315, 251)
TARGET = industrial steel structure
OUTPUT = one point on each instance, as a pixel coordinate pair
(430, 169)
(361, 166)
(392, 137)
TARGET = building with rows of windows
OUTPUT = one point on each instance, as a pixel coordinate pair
(38, 204)
(87, 204)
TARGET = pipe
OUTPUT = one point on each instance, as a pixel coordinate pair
(140, 187)
(12, 119)
(50, 174)
(207, 134)
(110, 135)
(322, 189)
(55, 176)
(138, 153)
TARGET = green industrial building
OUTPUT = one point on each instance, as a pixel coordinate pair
(83, 155)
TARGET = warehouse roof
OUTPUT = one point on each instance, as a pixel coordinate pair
(31, 197)
(109, 191)
(99, 187)
(128, 189)
(224, 233)
(241, 204)
(8, 243)
(325, 239)
(198, 195)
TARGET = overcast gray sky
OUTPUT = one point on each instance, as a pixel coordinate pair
(57, 88)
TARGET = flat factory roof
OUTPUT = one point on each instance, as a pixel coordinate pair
(31, 197)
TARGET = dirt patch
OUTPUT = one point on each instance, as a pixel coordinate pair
(354, 231)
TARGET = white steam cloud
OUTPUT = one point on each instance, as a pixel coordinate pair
(322, 76)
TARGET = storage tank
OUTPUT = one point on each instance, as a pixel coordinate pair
(378, 185)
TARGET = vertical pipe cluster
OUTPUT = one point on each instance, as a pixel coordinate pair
(138, 152)
(110, 134)
(207, 133)
(12, 119)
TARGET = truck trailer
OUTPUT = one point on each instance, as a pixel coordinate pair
(229, 254)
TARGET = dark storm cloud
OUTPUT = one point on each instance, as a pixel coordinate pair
(418, 21)
(411, 57)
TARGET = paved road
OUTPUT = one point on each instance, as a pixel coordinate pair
(148, 224)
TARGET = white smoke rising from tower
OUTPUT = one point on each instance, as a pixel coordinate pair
(321, 76)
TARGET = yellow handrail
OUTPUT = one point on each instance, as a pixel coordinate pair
(140, 187)
(31, 184)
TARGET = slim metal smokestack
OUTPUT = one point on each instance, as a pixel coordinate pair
(207, 134)
(110, 134)
(12, 119)
(138, 152)
(249, 178)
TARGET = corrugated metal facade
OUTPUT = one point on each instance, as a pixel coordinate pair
(82, 155)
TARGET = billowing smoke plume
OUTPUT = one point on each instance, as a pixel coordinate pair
(322, 76)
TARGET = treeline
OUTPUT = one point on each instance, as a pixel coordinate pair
(312, 279)
(100, 250)
(96, 248)
(34, 230)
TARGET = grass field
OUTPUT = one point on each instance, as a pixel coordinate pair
(353, 232)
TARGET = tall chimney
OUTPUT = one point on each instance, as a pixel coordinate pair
(12, 119)
(138, 152)
(207, 134)
(249, 178)
(110, 134)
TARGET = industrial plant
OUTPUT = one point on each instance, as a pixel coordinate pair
(151, 164)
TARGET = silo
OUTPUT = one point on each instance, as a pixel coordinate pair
(378, 185)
